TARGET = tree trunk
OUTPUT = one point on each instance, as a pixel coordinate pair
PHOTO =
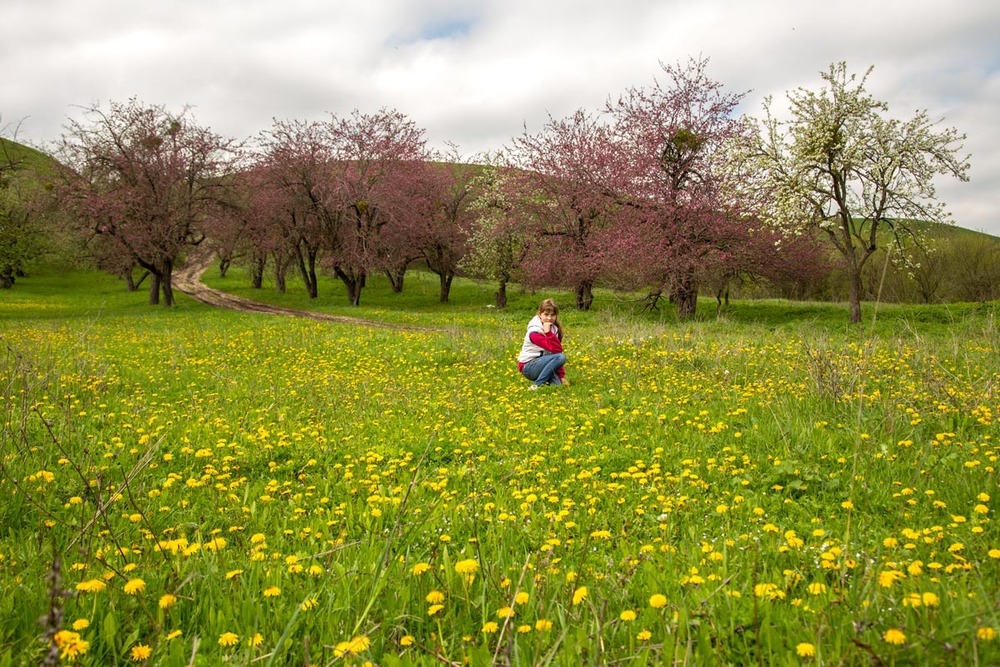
(685, 295)
(500, 297)
(396, 279)
(854, 295)
(445, 281)
(307, 267)
(224, 264)
(154, 288)
(257, 266)
(584, 295)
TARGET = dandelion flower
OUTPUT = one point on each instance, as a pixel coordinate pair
(134, 586)
(229, 639)
(468, 566)
(658, 601)
(255, 640)
(174, 634)
(435, 597)
(505, 612)
(543, 625)
(420, 568)
(805, 650)
(91, 586)
(894, 636)
(309, 604)
(521, 598)
(490, 627)
(406, 640)
(644, 635)
(434, 608)
(272, 592)
(167, 601)
(81, 624)
(233, 573)
(986, 634)
(579, 595)
(352, 647)
(140, 652)
(628, 616)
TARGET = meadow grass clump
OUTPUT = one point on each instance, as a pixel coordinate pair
(222, 487)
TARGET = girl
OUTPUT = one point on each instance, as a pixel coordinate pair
(541, 359)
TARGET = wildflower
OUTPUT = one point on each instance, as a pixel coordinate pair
(644, 635)
(468, 566)
(894, 636)
(420, 568)
(435, 597)
(233, 573)
(352, 647)
(140, 652)
(309, 604)
(847, 505)
(524, 629)
(272, 592)
(134, 586)
(628, 616)
(406, 640)
(434, 608)
(658, 601)
(167, 601)
(229, 639)
(816, 588)
(174, 634)
(930, 599)
(994, 553)
(986, 634)
(91, 586)
(255, 640)
(579, 594)
(805, 650)
(490, 627)
(70, 645)
(505, 612)
(81, 624)
(521, 598)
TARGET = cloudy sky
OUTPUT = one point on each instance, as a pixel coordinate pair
(477, 72)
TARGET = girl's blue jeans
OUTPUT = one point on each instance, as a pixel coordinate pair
(543, 369)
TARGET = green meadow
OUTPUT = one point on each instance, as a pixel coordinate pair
(768, 485)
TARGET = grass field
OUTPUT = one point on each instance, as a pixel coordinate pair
(192, 486)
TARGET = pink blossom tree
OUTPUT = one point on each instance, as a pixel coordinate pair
(147, 179)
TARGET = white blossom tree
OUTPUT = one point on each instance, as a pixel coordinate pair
(841, 164)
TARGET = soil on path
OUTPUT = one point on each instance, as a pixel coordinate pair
(187, 279)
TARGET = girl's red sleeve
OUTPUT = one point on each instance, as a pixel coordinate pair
(547, 341)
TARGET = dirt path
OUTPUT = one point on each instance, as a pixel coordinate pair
(187, 279)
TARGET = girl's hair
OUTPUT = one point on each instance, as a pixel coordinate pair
(549, 306)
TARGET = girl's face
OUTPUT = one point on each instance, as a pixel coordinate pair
(547, 316)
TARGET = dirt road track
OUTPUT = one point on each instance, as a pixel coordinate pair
(187, 279)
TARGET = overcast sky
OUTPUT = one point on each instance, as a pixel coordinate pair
(475, 73)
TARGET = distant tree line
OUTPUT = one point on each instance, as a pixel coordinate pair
(664, 192)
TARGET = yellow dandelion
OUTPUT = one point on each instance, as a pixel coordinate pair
(434, 608)
(406, 640)
(628, 616)
(521, 598)
(140, 652)
(543, 625)
(658, 601)
(174, 634)
(805, 650)
(524, 629)
(644, 635)
(352, 646)
(229, 639)
(309, 604)
(894, 636)
(81, 624)
(167, 601)
(505, 612)
(986, 634)
(255, 640)
(930, 599)
(816, 588)
(579, 595)
(435, 597)
(91, 586)
(133, 586)
(272, 592)
(490, 627)
(468, 566)
(420, 568)
(233, 573)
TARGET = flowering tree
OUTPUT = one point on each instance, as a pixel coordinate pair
(566, 180)
(20, 232)
(147, 180)
(376, 156)
(497, 236)
(842, 165)
(682, 219)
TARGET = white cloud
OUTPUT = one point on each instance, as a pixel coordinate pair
(475, 72)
